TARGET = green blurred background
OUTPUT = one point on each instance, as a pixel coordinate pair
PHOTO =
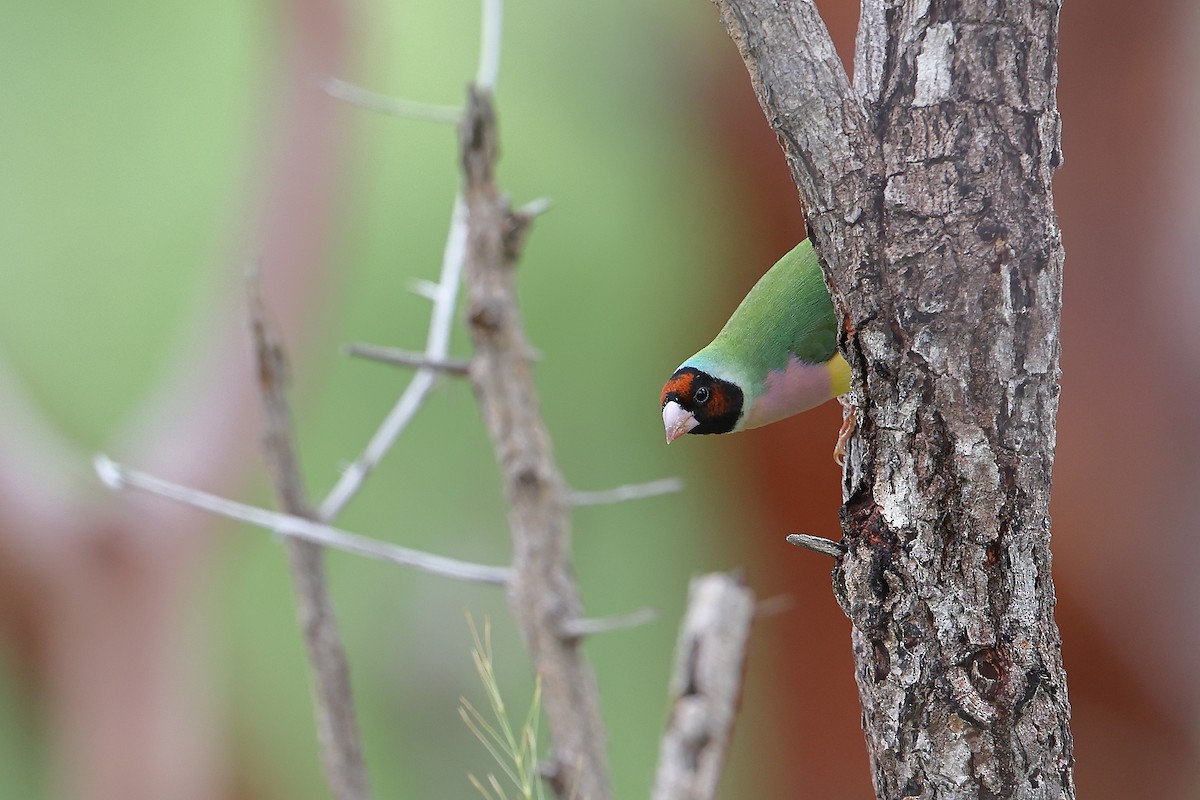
(141, 155)
(129, 179)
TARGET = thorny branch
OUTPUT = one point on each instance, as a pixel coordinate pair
(437, 348)
(444, 295)
(542, 592)
(485, 235)
(337, 726)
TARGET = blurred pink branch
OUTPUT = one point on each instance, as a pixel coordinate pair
(129, 699)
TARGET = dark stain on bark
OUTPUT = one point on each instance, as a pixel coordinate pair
(883, 662)
(868, 531)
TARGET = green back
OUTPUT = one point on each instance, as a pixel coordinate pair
(787, 312)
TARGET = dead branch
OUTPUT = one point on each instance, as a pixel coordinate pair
(579, 628)
(393, 106)
(407, 358)
(437, 346)
(705, 686)
(542, 592)
(337, 726)
(630, 491)
(117, 476)
(805, 93)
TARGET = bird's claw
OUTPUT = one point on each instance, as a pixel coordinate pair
(849, 423)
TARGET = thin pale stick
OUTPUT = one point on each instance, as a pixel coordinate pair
(392, 106)
(422, 383)
(578, 628)
(491, 22)
(444, 298)
(406, 358)
(116, 476)
(622, 494)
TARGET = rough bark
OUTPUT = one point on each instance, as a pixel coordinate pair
(936, 223)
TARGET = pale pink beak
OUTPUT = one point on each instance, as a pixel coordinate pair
(677, 421)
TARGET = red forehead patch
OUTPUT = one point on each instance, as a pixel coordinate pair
(680, 385)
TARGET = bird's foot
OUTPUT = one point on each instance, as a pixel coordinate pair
(849, 423)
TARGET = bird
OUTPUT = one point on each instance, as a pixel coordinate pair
(776, 356)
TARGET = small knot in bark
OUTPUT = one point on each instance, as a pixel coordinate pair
(486, 317)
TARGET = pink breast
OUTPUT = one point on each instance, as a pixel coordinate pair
(797, 388)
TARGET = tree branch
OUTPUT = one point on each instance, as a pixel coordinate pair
(805, 93)
(337, 726)
(407, 358)
(542, 593)
(579, 628)
(116, 476)
(817, 544)
(830, 144)
(705, 687)
(444, 295)
(941, 245)
(630, 491)
(437, 346)
(392, 106)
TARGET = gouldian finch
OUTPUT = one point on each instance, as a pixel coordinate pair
(776, 356)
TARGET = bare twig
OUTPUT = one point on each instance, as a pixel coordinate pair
(579, 628)
(436, 348)
(407, 358)
(817, 544)
(705, 687)
(632, 491)
(337, 725)
(542, 593)
(444, 297)
(489, 45)
(394, 106)
(535, 208)
(116, 476)
(773, 606)
(423, 288)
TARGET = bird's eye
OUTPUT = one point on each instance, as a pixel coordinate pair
(701, 395)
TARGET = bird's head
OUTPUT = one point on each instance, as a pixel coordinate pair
(695, 402)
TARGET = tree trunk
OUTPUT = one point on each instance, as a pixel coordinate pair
(927, 192)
